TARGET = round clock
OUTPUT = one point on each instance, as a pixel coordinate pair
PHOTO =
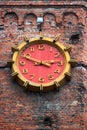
(41, 64)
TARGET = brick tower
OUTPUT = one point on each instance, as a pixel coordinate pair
(65, 109)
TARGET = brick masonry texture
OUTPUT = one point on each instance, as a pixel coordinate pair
(63, 110)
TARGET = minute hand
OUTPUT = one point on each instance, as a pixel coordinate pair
(37, 61)
(59, 62)
(51, 61)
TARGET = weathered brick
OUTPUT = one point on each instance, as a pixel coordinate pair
(66, 109)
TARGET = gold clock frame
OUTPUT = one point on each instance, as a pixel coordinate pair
(45, 87)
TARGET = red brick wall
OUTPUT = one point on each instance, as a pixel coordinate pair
(63, 110)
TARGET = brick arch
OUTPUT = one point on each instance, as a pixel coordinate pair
(11, 23)
(70, 18)
(51, 15)
(10, 18)
(30, 19)
(30, 22)
(49, 20)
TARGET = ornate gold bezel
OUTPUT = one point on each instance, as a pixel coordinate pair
(66, 75)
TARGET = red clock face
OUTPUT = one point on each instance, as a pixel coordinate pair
(41, 63)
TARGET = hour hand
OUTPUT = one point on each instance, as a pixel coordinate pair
(45, 63)
(42, 63)
(51, 61)
(36, 61)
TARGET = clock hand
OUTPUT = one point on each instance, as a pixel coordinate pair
(37, 62)
(44, 63)
(31, 59)
(47, 62)
(51, 61)
(60, 63)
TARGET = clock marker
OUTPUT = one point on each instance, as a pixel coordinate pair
(72, 62)
(41, 88)
(57, 71)
(67, 48)
(41, 47)
(26, 39)
(14, 75)
(9, 63)
(32, 76)
(51, 49)
(57, 85)
(41, 79)
(60, 63)
(22, 63)
(68, 75)
(50, 76)
(56, 38)
(25, 71)
(32, 49)
(57, 54)
(28, 55)
(14, 49)
(26, 85)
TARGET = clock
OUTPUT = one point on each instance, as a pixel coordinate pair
(41, 64)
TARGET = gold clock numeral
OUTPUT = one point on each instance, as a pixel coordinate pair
(57, 54)
(51, 49)
(57, 71)
(25, 71)
(32, 76)
(41, 79)
(41, 47)
(60, 63)
(32, 49)
(22, 63)
(28, 54)
(50, 76)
